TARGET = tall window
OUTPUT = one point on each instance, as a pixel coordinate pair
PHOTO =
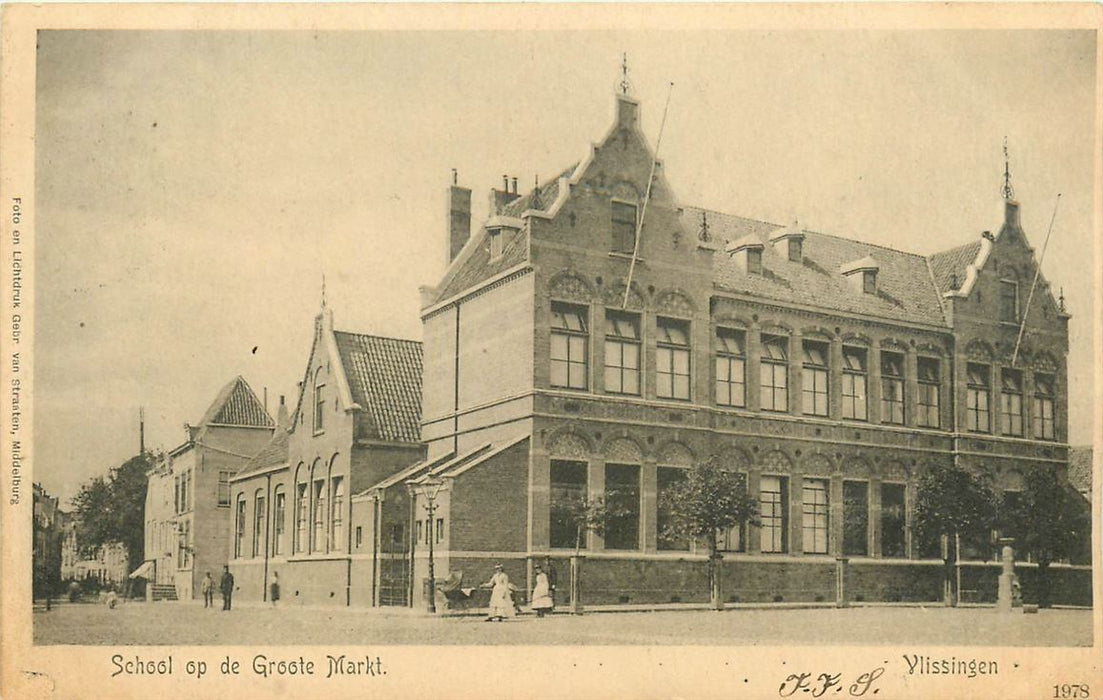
(1009, 301)
(183, 545)
(754, 260)
(854, 384)
(773, 505)
(1011, 402)
(668, 477)
(892, 388)
(496, 242)
(976, 398)
(319, 534)
(672, 359)
(730, 367)
(224, 488)
(622, 353)
(814, 512)
(814, 379)
(239, 524)
(855, 518)
(568, 487)
(734, 539)
(279, 513)
(176, 507)
(301, 516)
(337, 532)
(1043, 406)
(624, 227)
(622, 493)
(927, 414)
(319, 402)
(774, 373)
(260, 522)
(570, 337)
(892, 520)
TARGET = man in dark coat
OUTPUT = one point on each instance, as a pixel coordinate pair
(226, 585)
(549, 570)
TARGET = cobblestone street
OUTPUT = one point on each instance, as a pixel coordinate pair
(143, 623)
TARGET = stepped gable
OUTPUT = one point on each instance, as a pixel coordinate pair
(384, 377)
(905, 291)
(949, 266)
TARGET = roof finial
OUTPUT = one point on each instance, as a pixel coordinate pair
(535, 202)
(1061, 300)
(624, 84)
(1008, 193)
(323, 290)
(703, 234)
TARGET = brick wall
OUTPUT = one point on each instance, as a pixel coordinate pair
(489, 504)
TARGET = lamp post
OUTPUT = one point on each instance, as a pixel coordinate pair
(432, 486)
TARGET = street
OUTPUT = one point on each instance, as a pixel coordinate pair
(141, 623)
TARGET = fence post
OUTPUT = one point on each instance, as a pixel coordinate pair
(842, 595)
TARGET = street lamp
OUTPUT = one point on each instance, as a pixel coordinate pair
(432, 486)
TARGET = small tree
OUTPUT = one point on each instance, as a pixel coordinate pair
(954, 503)
(112, 509)
(1053, 521)
(708, 500)
(586, 515)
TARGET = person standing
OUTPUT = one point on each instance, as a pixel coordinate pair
(541, 593)
(501, 597)
(274, 588)
(207, 586)
(226, 585)
(549, 570)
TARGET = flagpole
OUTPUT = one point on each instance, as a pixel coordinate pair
(1037, 272)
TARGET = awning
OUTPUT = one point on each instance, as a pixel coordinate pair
(143, 571)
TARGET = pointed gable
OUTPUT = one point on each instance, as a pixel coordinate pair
(237, 405)
(384, 379)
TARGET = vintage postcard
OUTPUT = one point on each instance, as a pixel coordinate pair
(551, 351)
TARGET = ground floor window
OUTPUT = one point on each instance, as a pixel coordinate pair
(892, 520)
(301, 517)
(568, 488)
(622, 494)
(668, 477)
(773, 507)
(239, 524)
(855, 518)
(734, 539)
(814, 512)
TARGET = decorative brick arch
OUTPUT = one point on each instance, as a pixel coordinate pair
(979, 350)
(776, 328)
(570, 286)
(624, 450)
(817, 463)
(568, 444)
(857, 339)
(613, 296)
(734, 458)
(1012, 479)
(675, 303)
(675, 454)
(776, 461)
(930, 349)
(1044, 361)
(625, 190)
(817, 333)
(894, 469)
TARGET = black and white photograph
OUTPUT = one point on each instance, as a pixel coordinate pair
(542, 346)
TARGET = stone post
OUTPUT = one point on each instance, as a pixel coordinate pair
(842, 595)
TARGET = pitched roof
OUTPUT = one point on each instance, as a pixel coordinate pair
(384, 376)
(237, 405)
(904, 288)
(1080, 469)
(948, 267)
(273, 454)
(477, 266)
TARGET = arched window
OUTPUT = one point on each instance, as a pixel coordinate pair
(337, 528)
(239, 524)
(302, 505)
(320, 514)
(279, 515)
(319, 401)
(260, 522)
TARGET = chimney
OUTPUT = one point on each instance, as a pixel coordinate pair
(283, 420)
(459, 217)
(500, 198)
(1011, 214)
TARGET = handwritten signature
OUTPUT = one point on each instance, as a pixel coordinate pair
(825, 682)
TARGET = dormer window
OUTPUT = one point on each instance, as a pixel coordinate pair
(747, 253)
(496, 242)
(789, 242)
(862, 274)
(1009, 301)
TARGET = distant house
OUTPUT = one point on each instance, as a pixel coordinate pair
(46, 542)
(355, 423)
(188, 504)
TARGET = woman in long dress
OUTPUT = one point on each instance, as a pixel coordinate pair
(541, 593)
(501, 598)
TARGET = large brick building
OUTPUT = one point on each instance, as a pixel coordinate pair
(831, 372)
(298, 508)
(188, 504)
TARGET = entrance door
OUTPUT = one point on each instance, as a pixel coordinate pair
(394, 579)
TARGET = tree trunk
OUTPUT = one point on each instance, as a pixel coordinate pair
(716, 584)
(1043, 584)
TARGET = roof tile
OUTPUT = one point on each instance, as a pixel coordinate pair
(384, 377)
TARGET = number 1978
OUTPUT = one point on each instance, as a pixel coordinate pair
(1071, 690)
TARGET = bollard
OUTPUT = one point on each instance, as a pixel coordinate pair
(842, 595)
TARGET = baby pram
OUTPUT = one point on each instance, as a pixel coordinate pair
(456, 596)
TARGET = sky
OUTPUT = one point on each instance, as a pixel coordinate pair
(194, 187)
